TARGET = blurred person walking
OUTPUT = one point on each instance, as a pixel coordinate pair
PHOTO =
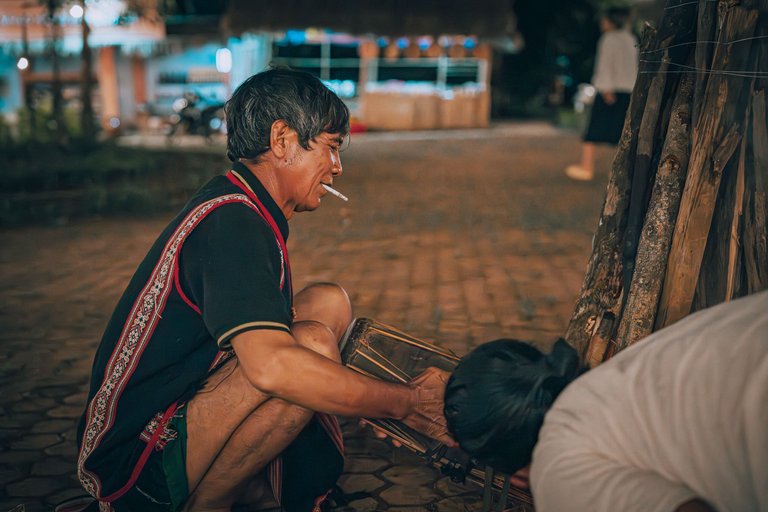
(613, 78)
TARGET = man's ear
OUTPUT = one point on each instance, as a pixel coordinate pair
(279, 136)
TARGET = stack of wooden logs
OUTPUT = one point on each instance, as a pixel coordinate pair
(683, 226)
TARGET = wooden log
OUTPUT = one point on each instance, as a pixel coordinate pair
(711, 149)
(601, 290)
(734, 238)
(712, 282)
(705, 32)
(601, 293)
(646, 142)
(756, 202)
(756, 178)
(600, 347)
(724, 273)
(640, 311)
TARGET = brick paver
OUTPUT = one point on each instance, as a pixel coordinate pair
(456, 237)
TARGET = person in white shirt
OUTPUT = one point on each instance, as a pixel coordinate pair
(678, 422)
(614, 77)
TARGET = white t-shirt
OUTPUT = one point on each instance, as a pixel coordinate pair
(682, 414)
(616, 62)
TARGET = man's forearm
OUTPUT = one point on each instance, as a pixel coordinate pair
(301, 376)
(326, 386)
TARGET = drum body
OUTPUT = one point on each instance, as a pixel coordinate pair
(385, 353)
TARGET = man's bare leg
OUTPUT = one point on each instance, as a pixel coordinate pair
(234, 430)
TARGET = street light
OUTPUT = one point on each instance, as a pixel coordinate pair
(22, 63)
(76, 11)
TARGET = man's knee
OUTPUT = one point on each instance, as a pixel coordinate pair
(318, 337)
(330, 294)
(328, 303)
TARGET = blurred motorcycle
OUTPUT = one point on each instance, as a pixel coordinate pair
(195, 116)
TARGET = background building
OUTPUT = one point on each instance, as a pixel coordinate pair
(398, 65)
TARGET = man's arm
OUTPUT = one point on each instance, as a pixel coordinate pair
(275, 363)
(568, 477)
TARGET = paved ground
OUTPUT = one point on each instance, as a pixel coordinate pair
(458, 237)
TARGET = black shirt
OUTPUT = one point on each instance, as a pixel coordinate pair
(218, 269)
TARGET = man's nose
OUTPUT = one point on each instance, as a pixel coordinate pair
(336, 169)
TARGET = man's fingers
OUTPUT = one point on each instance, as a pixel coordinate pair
(436, 429)
(379, 434)
(446, 440)
(431, 372)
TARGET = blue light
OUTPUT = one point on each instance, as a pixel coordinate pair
(342, 88)
(295, 36)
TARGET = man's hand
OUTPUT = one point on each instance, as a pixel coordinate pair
(609, 98)
(428, 391)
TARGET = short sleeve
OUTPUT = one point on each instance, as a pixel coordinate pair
(230, 268)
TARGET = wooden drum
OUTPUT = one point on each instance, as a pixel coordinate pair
(385, 353)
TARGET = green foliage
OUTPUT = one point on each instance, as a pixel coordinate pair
(43, 127)
(43, 183)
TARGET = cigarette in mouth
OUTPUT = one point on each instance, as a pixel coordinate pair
(335, 192)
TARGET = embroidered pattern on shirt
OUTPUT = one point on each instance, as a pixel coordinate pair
(167, 435)
(137, 331)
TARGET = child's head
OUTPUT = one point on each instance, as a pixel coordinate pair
(496, 399)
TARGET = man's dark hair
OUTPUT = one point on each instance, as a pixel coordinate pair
(618, 16)
(298, 98)
(497, 396)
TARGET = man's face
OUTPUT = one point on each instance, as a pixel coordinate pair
(309, 169)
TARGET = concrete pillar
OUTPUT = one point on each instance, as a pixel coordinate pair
(108, 87)
(139, 79)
